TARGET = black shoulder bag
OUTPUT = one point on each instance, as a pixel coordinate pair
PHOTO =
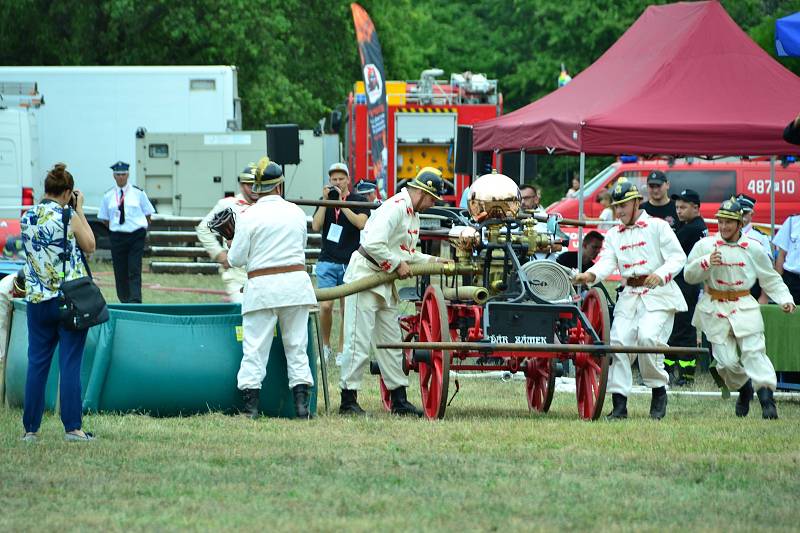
(84, 305)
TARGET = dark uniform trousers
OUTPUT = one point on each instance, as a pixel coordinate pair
(792, 281)
(683, 332)
(127, 250)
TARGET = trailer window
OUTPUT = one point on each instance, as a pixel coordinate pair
(711, 185)
(158, 151)
(203, 85)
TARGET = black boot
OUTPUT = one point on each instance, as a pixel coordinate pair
(400, 404)
(301, 396)
(768, 409)
(745, 396)
(620, 407)
(658, 403)
(250, 399)
(349, 405)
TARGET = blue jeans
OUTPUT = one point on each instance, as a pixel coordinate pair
(44, 332)
(330, 274)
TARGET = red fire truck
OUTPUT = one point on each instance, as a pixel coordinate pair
(422, 124)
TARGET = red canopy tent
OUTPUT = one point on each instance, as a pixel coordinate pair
(683, 80)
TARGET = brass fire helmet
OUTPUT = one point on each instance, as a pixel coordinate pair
(493, 196)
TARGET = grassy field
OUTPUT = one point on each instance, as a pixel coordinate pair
(490, 465)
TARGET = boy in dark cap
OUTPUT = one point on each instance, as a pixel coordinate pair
(689, 230)
(659, 203)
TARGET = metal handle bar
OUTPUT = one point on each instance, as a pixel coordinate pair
(559, 348)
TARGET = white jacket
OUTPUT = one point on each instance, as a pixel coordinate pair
(272, 233)
(743, 262)
(649, 246)
(390, 237)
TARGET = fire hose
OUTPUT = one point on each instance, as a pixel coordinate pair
(379, 278)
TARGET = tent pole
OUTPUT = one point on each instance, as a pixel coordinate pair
(580, 212)
(522, 166)
(772, 199)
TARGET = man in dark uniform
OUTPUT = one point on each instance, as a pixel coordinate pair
(659, 204)
(126, 211)
(689, 230)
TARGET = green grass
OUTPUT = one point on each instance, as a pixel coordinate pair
(489, 465)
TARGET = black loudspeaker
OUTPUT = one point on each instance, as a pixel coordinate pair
(283, 143)
(511, 166)
(464, 150)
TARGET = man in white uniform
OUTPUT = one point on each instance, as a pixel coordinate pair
(269, 242)
(12, 286)
(126, 211)
(648, 256)
(787, 264)
(388, 243)
(728, 264)
(234, 278)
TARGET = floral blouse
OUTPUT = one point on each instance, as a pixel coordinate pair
(42, 236)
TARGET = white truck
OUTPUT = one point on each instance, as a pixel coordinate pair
(92, 114)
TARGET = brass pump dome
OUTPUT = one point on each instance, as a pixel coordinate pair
(493, 196)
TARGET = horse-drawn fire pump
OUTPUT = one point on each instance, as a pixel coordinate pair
(511, 313)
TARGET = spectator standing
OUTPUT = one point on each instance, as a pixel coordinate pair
(659, 203)
(367, 189)
(574, 190)
(341, 231)
(748, 204)
(47, 266)
(689, 230)
(270, 242)
(592, 243)
(728, 264)
(788, 262)
(126, 212)
(531, 197)
(648, 256)
(607, 214)
(232, 277)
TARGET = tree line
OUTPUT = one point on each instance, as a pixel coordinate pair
(298, 59)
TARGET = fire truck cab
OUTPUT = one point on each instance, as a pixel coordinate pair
(421, 127)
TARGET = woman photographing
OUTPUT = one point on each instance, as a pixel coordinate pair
(48, 265)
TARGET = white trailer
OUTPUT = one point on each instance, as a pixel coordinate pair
(92, 114)
(19, 163)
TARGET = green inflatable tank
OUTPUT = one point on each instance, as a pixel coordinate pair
(163, 360)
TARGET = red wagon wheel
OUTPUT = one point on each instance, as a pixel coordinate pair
(540, 383)
(386, 397)
(591, 371)
(434, 375)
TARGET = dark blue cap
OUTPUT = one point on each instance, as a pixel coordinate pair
(748, 203)
(366, 186)
(120, 166)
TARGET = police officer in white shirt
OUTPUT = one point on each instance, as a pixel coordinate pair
(126, 211)
(788, 262)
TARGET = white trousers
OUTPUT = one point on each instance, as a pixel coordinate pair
(234, 279)
(753, 363)
(259, 330)
(369, 319)
(645, 328)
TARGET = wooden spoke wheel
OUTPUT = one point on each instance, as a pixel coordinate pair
(540, 383)
(386, 397)
(434, 375)
(591, 370)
